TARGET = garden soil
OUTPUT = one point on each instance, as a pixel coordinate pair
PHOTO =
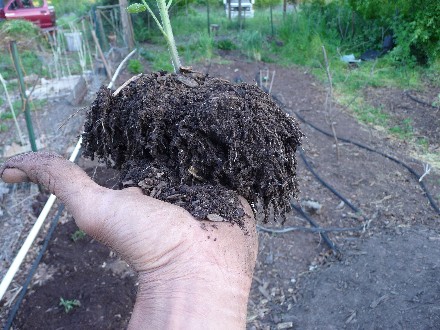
(384, 276)
(197, 142)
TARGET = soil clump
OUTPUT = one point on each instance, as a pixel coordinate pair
(197, 142)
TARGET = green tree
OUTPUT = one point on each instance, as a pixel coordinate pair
(267, 3)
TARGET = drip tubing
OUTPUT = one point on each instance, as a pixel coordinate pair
(324, 235)
(327, 185)
(363, 146)
(392, 158)
(415, 99)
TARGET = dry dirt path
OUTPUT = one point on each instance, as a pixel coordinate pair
(391, 264)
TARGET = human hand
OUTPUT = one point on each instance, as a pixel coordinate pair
(189, 276)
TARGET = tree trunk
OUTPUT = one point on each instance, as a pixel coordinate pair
(239, 14)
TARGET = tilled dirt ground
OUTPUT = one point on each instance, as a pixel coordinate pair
(385, 274)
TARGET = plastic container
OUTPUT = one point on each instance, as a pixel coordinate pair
(73, 41)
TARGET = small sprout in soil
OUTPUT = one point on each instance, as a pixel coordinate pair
(78, 235)
(69, 305)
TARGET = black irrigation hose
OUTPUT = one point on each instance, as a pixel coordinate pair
(363, 146)
(31, 273)
(415, 99)
(310, 168)
(324, 235)
(327, 185)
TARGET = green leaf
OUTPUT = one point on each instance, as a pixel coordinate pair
(136, 8)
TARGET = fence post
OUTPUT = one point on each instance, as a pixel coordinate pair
(126, 24)
(24, 98)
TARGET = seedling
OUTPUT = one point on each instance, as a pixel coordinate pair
(164, 27)
(78, 235)
(69, 304)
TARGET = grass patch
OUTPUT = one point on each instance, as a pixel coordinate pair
(404, 130)
(135, 66)
(371, 115)
(3, 128)
(162, 61)
(38, 104)
(6, 115)
(225, 44)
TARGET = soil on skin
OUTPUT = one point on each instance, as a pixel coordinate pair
(197, 142)
(388, 273)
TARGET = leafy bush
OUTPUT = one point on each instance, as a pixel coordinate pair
(415, 23)
(18, 29)
(225, 44)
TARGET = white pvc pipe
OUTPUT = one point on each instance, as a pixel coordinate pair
(25, 247)
(32, 234)
(6, 281)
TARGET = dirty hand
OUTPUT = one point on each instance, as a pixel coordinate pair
(189, 277)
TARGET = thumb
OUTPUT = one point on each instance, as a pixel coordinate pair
(62, 178)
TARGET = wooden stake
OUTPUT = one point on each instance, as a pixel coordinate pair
(126, 24)
(107, 67)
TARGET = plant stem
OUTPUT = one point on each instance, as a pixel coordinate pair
(163, 10)
(166, 30)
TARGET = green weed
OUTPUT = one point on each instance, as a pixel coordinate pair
(4, 127)
(371, 115)
(423, 142)
(69, 305)
(18, 29)
(252, 43)
(38, 104)
(6, 115)
(78, 235)
(147, 55)
(225, 44)
(31, 64)
(403, 131)
(198, 47)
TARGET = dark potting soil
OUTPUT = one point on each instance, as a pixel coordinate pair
(197, 142)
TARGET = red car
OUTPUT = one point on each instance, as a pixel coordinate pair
(36, 11)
